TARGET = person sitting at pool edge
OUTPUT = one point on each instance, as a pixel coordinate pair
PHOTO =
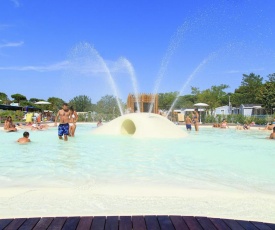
(224, 124)
(25, 138)
(272, 135)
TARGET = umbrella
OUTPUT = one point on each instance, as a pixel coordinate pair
(42, 103)
(201, 105)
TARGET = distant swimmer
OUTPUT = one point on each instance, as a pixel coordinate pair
(25, 138)
(99, 123)
(64, 115)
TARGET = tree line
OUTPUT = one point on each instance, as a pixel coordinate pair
(253, 90)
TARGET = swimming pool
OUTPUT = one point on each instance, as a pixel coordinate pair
(215, 172)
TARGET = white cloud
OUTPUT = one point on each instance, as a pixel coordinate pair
(15, 2)
(11, 44)
(54, 67)
(84, 67)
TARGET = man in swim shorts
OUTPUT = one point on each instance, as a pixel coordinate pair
(63, 127)
(188, 123)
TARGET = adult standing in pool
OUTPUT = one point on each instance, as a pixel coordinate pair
(73, 120)
(195, 119)
(64, 115)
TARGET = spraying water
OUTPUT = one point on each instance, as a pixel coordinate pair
(131, 70)
(99, 65)
(191, 76)
(174, 43)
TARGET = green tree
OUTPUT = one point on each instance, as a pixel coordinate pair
(271, 77)
(166, 100)
(3, 98)
(107, 106)
(186, 101)
(213, 97)
(56, 104)
(18, 97)
(82, 103)
(33, 100)
(246, 93)
(266, 96)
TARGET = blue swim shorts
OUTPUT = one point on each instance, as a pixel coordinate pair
(63, 129)
(188, 126)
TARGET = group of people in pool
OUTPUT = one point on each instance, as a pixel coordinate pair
(67, 126)
(194, 121)
(67, 122)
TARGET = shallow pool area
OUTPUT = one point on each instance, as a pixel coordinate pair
(214, 172)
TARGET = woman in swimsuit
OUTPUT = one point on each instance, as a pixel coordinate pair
(195, 119)
(73, 120)
(9, 126)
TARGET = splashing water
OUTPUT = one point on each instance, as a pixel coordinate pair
(174, 43)
(101, 66)
(191, 76)
(131, 70)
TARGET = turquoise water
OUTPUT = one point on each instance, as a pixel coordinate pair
(210, 159)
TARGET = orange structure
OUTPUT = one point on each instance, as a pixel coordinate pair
(144, 101)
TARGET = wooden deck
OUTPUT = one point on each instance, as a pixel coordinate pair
(131, 222)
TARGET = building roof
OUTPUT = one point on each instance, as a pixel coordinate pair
(250, 105)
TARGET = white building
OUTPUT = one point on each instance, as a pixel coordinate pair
(223, 110)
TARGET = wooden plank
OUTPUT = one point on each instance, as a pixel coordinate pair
(138, 223)
(179, 223)
(57, 223)
(247, 225)
(43, 223)
(272, 226)
(205, 223)
(219, 224)
(29, 224)
(4, 223)
(98, 223)
(152, 223)
(165, 223)
(261, 225)
(233, 224)
(125, 223)
(192, 223)
(85, 223)
(71, 223)
(111, 223)
(15, 224)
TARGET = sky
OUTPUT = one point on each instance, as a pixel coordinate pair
(98, 47)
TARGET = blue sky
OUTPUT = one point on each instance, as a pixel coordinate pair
(59, 48)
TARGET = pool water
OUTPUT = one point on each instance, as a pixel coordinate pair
(111, 169)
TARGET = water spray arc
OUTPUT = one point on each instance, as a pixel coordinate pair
(173, 45)
(131, 70)
(106, 70)
(191, 76)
